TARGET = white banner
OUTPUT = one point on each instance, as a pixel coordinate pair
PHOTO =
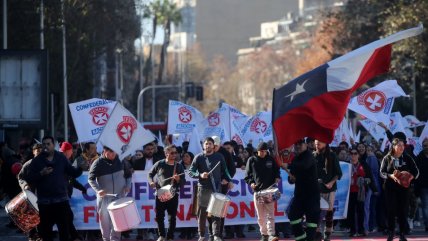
(90, 117)
(376, 103)
(258, 128)
(241, 209)
(123, 133)
(182, 118)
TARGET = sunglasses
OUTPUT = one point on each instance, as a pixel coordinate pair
(173, 153)
(354, 153)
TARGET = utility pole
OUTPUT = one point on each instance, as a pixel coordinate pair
(64, 67)
(4, 24)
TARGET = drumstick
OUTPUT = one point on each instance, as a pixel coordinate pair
(111, 194)
(213, 168)
(173, 177)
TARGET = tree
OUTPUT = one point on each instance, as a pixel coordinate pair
(90, 37)
(364, 21)
(163, 14)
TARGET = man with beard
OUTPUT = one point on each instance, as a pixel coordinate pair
(210, 169)
(88, 156)
(328, 173)
(144, 160)
(306, 201)
(168, 171)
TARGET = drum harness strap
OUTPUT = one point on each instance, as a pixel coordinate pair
(211, 176)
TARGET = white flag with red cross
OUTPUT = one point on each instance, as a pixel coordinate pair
(376, 103)
(90, 116)
(123, 133)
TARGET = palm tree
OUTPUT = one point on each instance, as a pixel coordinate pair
(163, 14)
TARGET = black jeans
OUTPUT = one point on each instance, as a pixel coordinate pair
(56, 213)
(355, 207)
(171, 207)
(397, 206)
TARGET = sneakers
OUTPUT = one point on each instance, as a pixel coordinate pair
(264, 238)
(201, 239)
(402, 238)
(327, 237)
(390, 237)
(273, 238)
(161, 238)
(217, 238)
(410, 221)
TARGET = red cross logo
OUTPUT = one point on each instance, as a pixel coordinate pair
(214, 119)
(99, 115)
(126, 128)
(258, 126)
(184, 115)
(374, 100)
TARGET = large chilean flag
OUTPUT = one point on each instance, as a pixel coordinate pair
(314, 104)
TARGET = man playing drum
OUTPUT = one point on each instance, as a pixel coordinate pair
(111, 180)
(261, 173)
(46, 174)
(169, 179)
(210, 168)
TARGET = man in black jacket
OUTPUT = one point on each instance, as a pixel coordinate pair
(261, 173)
(167, 171)
(47, 172)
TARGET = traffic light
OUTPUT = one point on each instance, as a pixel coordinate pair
(190, 90)
(199, 92)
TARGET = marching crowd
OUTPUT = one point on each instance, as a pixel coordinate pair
(386, 187)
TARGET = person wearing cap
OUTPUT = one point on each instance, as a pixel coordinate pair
(329, 172)
(210, 169)
(306, 201)
(46, 175)
(67, 149)
(111, 180)
(261, 173)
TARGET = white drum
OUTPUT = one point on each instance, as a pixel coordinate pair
(218, 205)
(268, 195)
(165, 193)
(124, 214)
(324, 204)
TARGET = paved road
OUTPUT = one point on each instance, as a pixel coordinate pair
(8, 234)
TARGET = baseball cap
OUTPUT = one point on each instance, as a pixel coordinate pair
(65, 146)
(217, 140)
